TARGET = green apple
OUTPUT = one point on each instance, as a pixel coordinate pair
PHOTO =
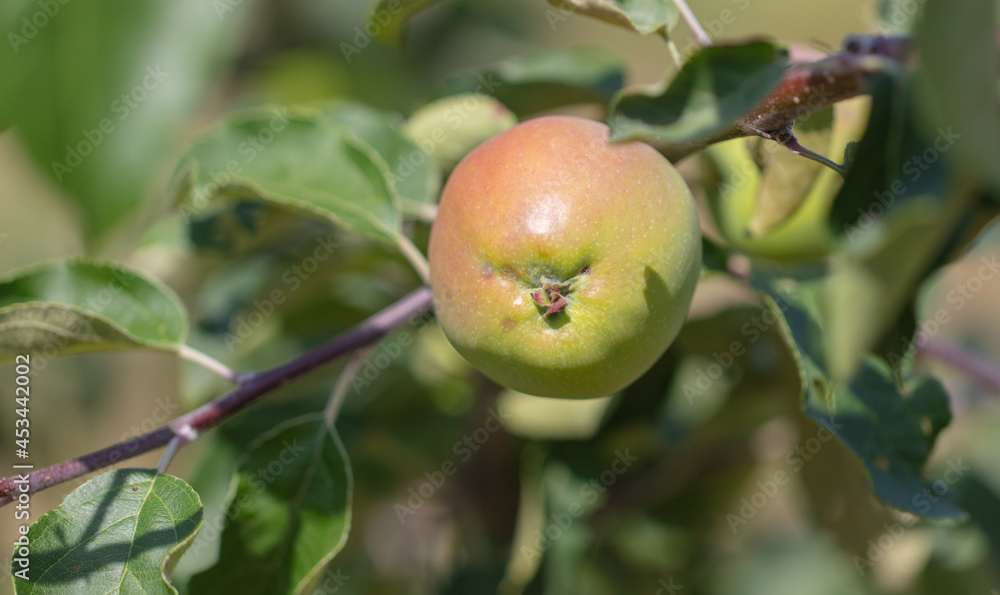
(563, 265)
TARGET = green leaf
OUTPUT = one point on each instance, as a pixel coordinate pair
(99, 92)
(297, 160)
(417, 179)
(121, 532)
(451, 127)
(889, 167)
(714, 88)
(891, 430)
(290, 513)
(74, 306)
(546, 79)
(875, 276)
(957, 82)
(388, 19)
(641, 16)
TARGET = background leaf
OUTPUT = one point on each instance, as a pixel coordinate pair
(963, 98)
(452, 126)
(121, 532)
(546, 79)
(641, 16)
(417, 179)
(892, 432)
(100, 90)
(298, 160)
(289, 514)
(712, 89)
(388, 18)
(74, 306)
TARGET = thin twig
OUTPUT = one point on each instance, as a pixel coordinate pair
(973, 364)
(340, 389)
(214, 413)
(692, 22)
(211, 364)
(416, 258)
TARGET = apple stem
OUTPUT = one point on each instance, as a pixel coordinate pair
(415, 257)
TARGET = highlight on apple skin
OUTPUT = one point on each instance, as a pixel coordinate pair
(564, 265)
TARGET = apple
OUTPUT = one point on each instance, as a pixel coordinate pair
(563, 265)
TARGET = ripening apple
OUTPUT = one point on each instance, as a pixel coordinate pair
(563, 265)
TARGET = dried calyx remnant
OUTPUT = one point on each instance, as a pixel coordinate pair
(551, 294)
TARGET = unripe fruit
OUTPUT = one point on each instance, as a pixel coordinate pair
(563, 265)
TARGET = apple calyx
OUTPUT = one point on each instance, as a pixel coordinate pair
(551, 296)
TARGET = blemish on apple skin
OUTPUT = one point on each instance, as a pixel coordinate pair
(507, 324)
(487, 272)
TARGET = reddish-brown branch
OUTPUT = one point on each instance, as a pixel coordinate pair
(214, 413)
(805, 88)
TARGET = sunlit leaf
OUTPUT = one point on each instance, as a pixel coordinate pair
(297, 160)
(121, 532)
(73, 306)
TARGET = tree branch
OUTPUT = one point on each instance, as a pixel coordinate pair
(213, 413)
(806, 88)
(974, 365)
